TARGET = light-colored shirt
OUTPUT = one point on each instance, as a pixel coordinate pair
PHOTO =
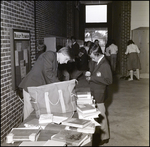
(132, 48)
(113, 49)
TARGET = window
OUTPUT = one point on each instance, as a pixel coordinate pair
(96, 13)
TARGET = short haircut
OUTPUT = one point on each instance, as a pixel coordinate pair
(67, 52)
(95, 49)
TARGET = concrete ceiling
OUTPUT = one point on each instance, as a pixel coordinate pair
(95, 2)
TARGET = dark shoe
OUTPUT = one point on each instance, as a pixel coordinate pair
(104, 141)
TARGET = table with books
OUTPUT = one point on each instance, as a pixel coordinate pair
(57, 129)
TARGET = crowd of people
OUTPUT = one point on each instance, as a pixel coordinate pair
(72, 61)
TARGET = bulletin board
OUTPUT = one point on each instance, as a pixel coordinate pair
(20, 55)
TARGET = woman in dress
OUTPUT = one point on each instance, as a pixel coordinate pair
(133, 61)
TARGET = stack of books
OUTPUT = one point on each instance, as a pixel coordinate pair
(90, 129)
(22, 134)
(87, 111)
(84, 98)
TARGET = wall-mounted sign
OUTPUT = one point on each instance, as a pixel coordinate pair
(21, 35)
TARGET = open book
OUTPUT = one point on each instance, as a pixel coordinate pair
(70, 137)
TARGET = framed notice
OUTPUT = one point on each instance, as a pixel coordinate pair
(20, 55)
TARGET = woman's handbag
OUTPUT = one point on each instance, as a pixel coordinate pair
(56, 97)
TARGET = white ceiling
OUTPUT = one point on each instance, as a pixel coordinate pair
(95, 2)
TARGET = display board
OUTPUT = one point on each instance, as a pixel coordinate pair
(20, 55)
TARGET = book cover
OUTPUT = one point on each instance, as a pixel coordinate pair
(75, 122)
(86, 108)
(70, 137)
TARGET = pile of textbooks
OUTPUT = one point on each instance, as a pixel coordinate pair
(22, 134)
(84, 98)
(87, 111)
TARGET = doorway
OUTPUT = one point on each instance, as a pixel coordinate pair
(101, 34)
(141, 38)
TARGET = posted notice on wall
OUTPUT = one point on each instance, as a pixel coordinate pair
(16, 58)
(22, 69)
(25, 55)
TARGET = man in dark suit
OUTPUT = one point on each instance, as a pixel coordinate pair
(99, 78)
(44, 70)
(72, 66)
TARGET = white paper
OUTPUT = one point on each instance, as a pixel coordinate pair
(18, 46)
(23, 71)
(25, 55)
(16, 58)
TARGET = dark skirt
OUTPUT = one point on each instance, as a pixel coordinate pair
(133, 61)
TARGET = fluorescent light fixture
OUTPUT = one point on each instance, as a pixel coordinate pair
(96, 13)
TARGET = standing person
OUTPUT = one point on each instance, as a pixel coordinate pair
(43, 72)
(133, 61)
(75, 46)
(99, 78)
(113, 49)
(72, 66)
(82, 63)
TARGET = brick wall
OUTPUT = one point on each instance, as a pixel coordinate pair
(70, 19)
(54, 18)
(121, 18)
(20, 15)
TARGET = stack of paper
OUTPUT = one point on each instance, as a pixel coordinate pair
(89, 115)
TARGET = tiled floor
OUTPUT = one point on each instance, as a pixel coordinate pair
(127, 110)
